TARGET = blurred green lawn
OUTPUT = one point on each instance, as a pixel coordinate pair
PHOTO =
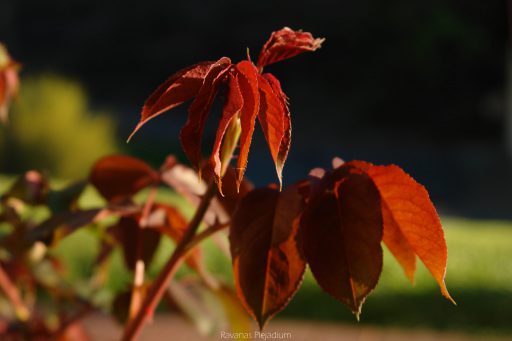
(479, 278)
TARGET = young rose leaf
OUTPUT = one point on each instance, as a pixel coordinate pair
(287, 43)
(284, 146)
(411, 224)
(244, 84)
(274, 120)
(192, 131)
(179, 88)
(268, 263)
(248, 80)
(232, 107)
(136, 242)
(117, 176)
(342, 230)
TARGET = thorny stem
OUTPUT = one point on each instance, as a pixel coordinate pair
(155, 293)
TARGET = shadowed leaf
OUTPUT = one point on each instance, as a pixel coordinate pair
(118, 176)
(342, 231)
(267, 257)
(136, 242)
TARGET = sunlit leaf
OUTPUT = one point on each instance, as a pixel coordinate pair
(287, 43)
(180, 87)
(411, 223)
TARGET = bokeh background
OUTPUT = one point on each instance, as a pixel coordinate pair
(425, 85)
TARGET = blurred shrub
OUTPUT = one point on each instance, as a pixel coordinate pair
(53, 129)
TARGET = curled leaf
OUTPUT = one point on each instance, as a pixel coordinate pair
(287, 43)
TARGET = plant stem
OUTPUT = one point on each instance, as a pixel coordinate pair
(155, 293)
(13, 295)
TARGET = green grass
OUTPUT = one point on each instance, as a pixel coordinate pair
(479, 278)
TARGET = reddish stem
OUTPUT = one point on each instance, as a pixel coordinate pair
(13, 295)
(155, 293)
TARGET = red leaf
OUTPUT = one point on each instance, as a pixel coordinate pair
(192, 131)
(287, 43)
(248, 80)
(275, 120)
(136, 242)
(119, 176)
(411, 224)
(342, 231)
(268, 263)
(232, 108)
(180, 87)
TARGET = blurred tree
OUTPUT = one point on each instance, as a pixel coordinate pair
(55, 130)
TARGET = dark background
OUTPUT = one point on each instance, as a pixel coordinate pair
(419, 84)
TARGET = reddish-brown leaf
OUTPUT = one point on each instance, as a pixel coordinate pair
(192, 131)
(411, 224)
(268, 263)
(282, 142)
(180, 87)
(271, 117)
(342, 231)
(287, 43)
(248, 80)
(232, 107)
(118, 176)
(136, 242)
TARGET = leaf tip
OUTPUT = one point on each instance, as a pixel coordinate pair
(133, 132)
(447, 295)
